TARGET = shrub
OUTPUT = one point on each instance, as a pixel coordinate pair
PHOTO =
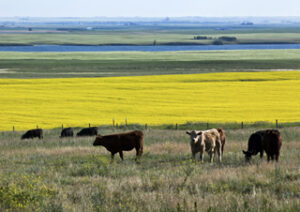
(227, 38)
(200, 37)
(23, 192)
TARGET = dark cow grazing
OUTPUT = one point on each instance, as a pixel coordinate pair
(117, 143)
(271, 144)
(67, 132)
(91, 131)
(223, 138)
(264, 140)
(33, 133)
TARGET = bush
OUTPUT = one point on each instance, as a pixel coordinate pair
(23, 192)
(200, 37)
(227, 38)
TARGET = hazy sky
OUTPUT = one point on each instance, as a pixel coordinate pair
(148, 8)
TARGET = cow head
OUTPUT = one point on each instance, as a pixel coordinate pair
(98, 141)
(248, 155)
(195, 135)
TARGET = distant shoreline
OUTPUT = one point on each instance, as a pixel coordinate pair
(161, 44)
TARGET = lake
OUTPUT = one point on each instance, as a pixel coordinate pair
(79, 48)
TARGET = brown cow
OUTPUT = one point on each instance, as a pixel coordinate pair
(222, 137)
(117, 143)
(272, 143)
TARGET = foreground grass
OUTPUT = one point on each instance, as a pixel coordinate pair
(72, 175)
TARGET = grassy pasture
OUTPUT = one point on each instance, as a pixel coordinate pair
(152, 100)
(72, 175)
(147, 36)
(108, 64)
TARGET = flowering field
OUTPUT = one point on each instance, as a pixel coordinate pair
(155, 100)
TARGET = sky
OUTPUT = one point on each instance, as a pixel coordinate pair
(148, 8)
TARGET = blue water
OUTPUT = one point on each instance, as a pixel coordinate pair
(66, 48)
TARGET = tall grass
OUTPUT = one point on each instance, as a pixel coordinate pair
(72, 175)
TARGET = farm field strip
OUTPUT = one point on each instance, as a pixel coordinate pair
(157, 56)
(155, 100)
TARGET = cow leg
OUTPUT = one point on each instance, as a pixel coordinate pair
(261, 154)
(139, 152)
(202, 156)
(121, 155)
(211, 155)
(222, 150)
(193, 156)
(219, 154)
(268, 156)
(202, 150)
(112, 157)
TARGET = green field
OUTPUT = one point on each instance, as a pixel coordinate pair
(146, 35)
(72, 175)
(108, 64)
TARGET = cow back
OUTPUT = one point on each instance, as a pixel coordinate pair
(272, 142)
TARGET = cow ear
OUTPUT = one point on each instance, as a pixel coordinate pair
(187, 132)
(244, 152)
(199, 133)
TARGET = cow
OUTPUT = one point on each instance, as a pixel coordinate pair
(271, 144)
(117, 143)
(264, 140)
(223, 138)
(67, 132)
(207, 140)
(33, 133)
(91, 131)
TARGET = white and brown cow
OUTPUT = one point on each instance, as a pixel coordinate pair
(207, 140)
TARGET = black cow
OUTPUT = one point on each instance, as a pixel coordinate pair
(117, 143)
(258, 144)
(33, 133)
(67, 132)
(91, 131)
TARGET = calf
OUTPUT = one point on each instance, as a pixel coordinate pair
(67, 132)
(208, 140)
(264, 140)
(223, 138)
(33, 133)
(91, 131)
(117, 143)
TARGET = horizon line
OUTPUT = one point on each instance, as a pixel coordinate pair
(151, 16)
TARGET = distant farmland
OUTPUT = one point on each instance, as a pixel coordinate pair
(155, 100)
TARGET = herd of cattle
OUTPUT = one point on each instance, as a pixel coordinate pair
(211, 141)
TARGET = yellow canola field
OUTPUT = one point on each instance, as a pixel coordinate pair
(155, 100)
